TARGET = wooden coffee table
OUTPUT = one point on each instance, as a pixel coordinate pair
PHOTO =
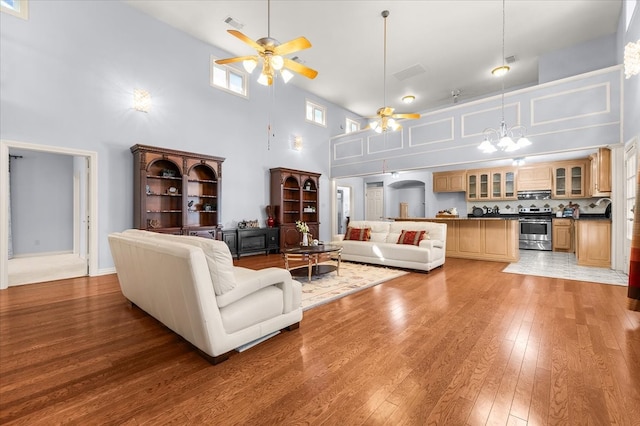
(313, 255)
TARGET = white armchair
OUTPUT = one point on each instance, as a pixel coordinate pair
(190, 285)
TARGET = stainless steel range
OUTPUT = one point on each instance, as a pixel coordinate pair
(535, 228)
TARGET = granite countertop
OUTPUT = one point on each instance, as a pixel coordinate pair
(588, 216)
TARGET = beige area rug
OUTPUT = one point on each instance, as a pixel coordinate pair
(353, 278)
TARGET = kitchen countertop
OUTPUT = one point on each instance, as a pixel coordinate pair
(588, 216)
(430, 219)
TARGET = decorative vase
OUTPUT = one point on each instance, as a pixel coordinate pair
(305, 239)
(270, 220)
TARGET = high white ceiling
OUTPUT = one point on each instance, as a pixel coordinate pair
(456, 42)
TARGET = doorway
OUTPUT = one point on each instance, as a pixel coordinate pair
(343, 207)
(85, 242)
(375, 201)
(631, 171)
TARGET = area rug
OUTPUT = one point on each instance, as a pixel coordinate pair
(353, 278)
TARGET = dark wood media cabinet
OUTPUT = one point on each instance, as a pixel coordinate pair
(249, 241)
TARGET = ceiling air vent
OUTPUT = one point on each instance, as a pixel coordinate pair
(510, 59)
(234, 23)
(412, 71)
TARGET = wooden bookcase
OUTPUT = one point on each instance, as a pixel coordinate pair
(295, 195)
(177, 192)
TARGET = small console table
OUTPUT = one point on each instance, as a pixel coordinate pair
(252, 240)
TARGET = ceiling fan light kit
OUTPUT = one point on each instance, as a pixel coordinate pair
(385, 118)
(507, 139)
(272, 54)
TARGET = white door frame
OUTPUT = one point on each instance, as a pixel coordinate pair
(92, 202)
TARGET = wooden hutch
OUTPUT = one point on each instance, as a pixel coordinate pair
(295, 196)
(177, 192)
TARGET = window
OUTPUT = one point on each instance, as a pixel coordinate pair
(316, 114)
(227, 78)
(352, 126)
(17, 8)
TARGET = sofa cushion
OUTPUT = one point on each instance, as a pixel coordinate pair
(411, 237)
(216, 252)
(358, 234)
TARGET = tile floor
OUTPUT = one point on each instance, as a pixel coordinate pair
(563, 265)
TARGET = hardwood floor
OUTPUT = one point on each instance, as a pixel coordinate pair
(465, 344)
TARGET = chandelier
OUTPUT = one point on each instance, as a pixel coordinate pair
(503, 138)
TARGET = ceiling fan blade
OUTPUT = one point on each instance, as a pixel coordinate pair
(412, 115)
(299, 68)
(236, 59)
(246, 40)
(385, 111)
(294, 45)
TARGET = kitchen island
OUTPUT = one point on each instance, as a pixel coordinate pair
(481, 238)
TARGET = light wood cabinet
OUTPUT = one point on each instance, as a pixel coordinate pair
(569, 179)
(593, 243)
(177, 192)
(491, 184)
(295, 196)
(532, 178)
(600, 176)
(562, 235)
(482, 239)
(454, 181)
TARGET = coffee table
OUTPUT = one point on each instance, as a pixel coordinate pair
(313, 255)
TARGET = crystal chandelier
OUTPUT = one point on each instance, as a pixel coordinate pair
(504, 138)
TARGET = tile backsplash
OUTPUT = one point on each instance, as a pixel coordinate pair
(586, 205)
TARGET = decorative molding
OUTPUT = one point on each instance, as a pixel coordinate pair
(351, 142)
(567, 103)
(495, 124)
(385, 137)
(432, 125)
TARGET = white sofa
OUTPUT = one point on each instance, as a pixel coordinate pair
(190, 285)
(383, 249)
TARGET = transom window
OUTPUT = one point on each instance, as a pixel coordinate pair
(352, 126)
(316, 113)
(17, 8)
(228, 78)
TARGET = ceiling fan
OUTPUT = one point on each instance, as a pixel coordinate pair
(385, 118)
(272, 54)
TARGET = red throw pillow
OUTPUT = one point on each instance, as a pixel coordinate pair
(411, 237)
(358, 234)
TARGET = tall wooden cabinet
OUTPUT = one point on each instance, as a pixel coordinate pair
(177, 192)
(295, 196)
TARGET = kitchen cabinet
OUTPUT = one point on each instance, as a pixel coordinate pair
(600, 176)
(454, 181)
(562, 235)
(593, 243)
(491, 184)
(532, 178)
(569, 179)
(482, 239)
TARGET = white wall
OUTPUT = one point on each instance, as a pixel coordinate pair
(41, 202)
(67, 77)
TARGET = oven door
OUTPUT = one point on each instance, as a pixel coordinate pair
(535, 233)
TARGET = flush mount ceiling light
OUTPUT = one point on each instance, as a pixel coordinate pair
(271, 52)
(632, 59)
(385, 118)
(408, 99)
(501, 70)
(503, 137)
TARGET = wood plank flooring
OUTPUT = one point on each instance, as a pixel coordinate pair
(465, 344)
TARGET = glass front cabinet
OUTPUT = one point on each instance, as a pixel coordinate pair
(569, 179)
(491, 184)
